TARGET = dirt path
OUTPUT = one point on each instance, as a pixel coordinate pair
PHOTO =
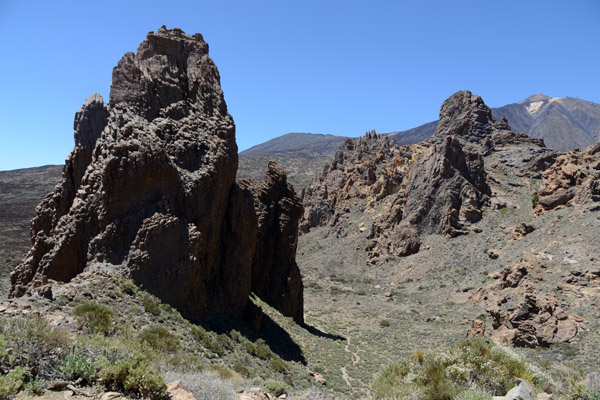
(355, 356)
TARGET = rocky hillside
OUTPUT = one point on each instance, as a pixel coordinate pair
(301, 155)
(478, 226)
(564, 123)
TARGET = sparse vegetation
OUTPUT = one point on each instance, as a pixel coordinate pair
(160, 338)
(534, 200)
(151, 305)
(94, 317)
(468, 365)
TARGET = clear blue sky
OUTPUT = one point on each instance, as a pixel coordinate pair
(338, 67)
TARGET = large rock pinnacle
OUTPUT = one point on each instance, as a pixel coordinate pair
(150, 191)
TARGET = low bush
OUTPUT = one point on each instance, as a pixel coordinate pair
(160, 338)
(94, 317)
(128, 365)
(276, 388)
(76, 366)
(277, 364)
(38, 346)
(11, 382)
(476, 365)
(129, 287)
(152, 305)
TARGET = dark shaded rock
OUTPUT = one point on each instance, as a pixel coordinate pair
(275, 274)
(445, 191)
(149, 191)
(465, 115)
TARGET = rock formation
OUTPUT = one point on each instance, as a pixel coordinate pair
(521, 316)
(446, 186)
(537, 321)
(370, 167)
(573, 179)
(438, 186)
(150, 191)
(275, 275)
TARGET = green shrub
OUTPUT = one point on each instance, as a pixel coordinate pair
(222, 371)
(236, 335)
(224, 341)
(135, 374)
(199, 333)
(250, 348)
(262, 350)
(34, 387)
(276, 388)
(128, 365)
(160, 338)
(39, 345)
(76, 366)
(384, 323)
(151, 305)
(203, 337)
(277, 364)
(242, 370)
(129, 287)
(11, 382)
(93, 317)
(476, 364)
(534, 200)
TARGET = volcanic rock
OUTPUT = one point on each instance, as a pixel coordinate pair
(149, 191)
(446, 186)
(370, 167)
(573, 179)
(477, 329)
(537, 321)
(275, 274)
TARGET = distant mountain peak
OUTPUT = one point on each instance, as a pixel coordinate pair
(535, 98)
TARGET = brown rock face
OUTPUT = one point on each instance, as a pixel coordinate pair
(438, 186)
(536, 320)
(465, 115)
(370, 167)
(573, 179)
(477, 329)
(149, 190)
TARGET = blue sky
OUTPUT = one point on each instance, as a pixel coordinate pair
(338, 67)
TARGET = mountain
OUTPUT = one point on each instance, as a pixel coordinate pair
(301, 155)
(564, 123)
(309, 144)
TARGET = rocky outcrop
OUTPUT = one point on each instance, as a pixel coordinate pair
(573, 179)
(438, 186)
(537, 321)
(150, 191)
(370, 167)
(521, 316)
(465, 115)
(446, 186)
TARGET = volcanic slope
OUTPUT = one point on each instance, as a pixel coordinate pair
(428, 298)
